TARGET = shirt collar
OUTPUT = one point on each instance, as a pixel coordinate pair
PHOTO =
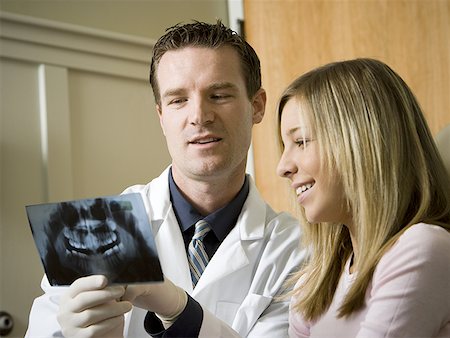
(221, 220)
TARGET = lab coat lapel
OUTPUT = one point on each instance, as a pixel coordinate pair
(231, 255)
(167, 233)
(172, 253)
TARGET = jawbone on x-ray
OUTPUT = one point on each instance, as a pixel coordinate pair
(108, 235)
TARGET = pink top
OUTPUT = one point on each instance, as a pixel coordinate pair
(409, 295)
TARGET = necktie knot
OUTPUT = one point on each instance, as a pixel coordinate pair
(201, 230)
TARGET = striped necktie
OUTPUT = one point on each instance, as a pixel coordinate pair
(197, 256)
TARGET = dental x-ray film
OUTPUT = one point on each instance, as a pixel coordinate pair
(110, 236)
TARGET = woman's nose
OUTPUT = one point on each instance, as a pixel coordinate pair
(286, 167)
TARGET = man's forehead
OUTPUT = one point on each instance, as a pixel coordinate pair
(204, 68)
(201, 49)
(222, 58)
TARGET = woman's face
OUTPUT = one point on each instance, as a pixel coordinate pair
(320, 193)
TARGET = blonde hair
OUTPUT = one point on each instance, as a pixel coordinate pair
(371, 131)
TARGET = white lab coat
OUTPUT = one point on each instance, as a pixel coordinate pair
(236, 289)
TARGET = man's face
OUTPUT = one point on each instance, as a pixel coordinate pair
(205, 112)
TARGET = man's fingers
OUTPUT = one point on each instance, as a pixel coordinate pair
(91, 299)
(132, 291)
(94, 321)
(101, 313)
(95, 282)
(109, 328)
(90, 308)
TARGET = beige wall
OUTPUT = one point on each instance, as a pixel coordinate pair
(103, 129)
(145, 18)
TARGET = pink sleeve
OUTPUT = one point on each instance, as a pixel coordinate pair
(410, 294)
(298, 327)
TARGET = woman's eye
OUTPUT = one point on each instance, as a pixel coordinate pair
(301, 142)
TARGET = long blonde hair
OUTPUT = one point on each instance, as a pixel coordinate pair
(372, 132)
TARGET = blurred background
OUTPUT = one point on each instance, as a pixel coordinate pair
(77, 116)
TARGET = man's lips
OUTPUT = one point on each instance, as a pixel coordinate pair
(204, 140)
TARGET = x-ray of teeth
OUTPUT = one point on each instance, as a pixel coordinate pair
(106, 235)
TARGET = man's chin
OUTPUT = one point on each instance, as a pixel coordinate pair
(208, 168)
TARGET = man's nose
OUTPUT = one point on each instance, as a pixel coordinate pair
(202, 112)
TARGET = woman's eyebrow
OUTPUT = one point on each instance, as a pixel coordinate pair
(295, 129)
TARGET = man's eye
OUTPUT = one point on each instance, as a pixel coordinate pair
(220, 96)
(177, 101)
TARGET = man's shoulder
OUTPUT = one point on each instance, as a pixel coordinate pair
(281, 218)
(281, 225)
(156, 183)
(276, 218)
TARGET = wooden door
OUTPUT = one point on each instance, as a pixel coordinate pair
(293, 36)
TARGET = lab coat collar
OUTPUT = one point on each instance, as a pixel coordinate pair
(251, 218)
(229, 257)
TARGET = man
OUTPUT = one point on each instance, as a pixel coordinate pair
(207, 86)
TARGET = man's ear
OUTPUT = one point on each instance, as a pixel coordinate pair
(158, 109)
(259, 105)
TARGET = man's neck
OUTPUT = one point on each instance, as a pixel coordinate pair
(211, 193)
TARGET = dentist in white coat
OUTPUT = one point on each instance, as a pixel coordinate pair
(207, 86)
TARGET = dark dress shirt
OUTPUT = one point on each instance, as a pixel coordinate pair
(221, 222)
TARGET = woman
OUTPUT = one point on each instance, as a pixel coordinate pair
(375, 201)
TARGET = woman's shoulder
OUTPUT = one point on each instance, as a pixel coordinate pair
(427, 236)
(421, 245)
(409, 288)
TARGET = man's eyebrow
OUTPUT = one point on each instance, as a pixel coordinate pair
(173, 92)
(214, 86)
(223, 85)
